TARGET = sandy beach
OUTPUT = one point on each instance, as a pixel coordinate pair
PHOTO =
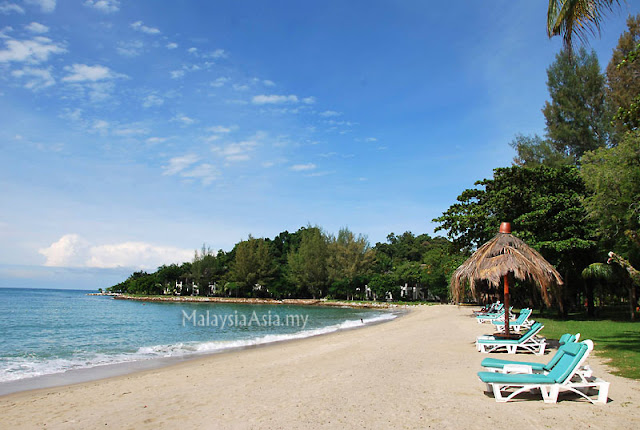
(418, 371)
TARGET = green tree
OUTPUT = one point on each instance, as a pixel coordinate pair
(281, 246)
(623, 85)
(308, 269)
(579, 18)
(533, 151)
(613, 177)
(167, 275)
(350, 256)
(545, 208)
(577, 119)
(383, 283)
(253, 265)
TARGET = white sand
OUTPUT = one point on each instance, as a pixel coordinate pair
(418, 371)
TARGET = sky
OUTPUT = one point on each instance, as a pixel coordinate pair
(133, 132)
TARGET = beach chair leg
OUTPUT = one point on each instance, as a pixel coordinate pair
(497, 394)
(603, 392)
(550, 394)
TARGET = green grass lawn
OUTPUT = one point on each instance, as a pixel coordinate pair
(618, 341)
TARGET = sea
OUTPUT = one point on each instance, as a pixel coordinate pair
(56, 337)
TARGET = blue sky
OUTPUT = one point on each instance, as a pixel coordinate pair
(133, 132)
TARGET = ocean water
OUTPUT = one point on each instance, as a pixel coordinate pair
(51, 332)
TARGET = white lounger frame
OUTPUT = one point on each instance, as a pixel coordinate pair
(579, 382)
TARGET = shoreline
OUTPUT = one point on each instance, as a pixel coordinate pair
(118, 369)
(260, 301)
(414, 372)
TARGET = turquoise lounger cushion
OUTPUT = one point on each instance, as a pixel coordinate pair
(524, 314)
(516, 378)
(534, 329)
(573, 353)
(497, 363)
(567, 338)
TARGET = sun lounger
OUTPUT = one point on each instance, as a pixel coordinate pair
(516, 325)
(564, 376)
(510, 366)
(491, 309)
(528, 342)
(481, 319)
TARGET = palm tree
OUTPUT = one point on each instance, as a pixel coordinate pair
(576, 17)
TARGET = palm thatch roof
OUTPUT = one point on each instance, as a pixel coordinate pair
(500, 256)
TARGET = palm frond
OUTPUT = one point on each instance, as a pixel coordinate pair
(579, 18)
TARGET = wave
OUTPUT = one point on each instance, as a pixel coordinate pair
(18, 368)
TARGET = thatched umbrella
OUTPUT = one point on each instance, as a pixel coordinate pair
(503, 255)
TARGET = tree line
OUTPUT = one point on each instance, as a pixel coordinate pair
(310, 263)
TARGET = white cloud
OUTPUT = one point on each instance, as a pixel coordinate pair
(219, 82)
(70, 251)
(204, 172)
(36, 50)
(130, 49)
(99, 91)
(239, 87)
(101, 126)
(72, 114)
(274, 99)
(105, 6)
(211, 138)
(176, 74)
(183, 119)
(152, 100)
(7, 8)
(185, 166)
(221, 129)
(303, 167)
(4, 31)
(218, 53)
(192, 50)
(268, 83)
(370, 139)
(178, 164)
(237, 151)
(36, 78)
(47, 6)
(139, 26)
(85, 73)
(156, 140)
(136, 254)
(172, 45)
(329, 113)
(36, 27)
(309, 100)
(130, 131)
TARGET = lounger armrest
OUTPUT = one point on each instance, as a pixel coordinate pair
(517, 368)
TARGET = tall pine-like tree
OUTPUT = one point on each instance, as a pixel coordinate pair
(577, 118)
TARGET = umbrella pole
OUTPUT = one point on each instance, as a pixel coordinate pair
(506, 305)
